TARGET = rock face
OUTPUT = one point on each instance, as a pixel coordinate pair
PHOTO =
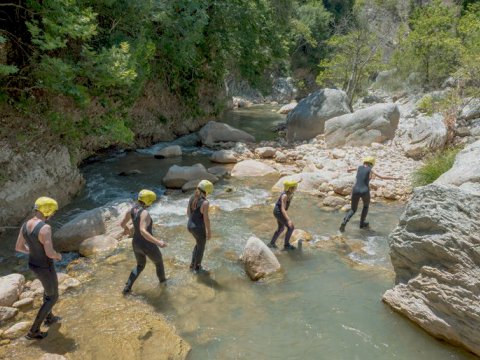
(466, 167)
(248, 168)
(177, 176)
(97, 244)
(376, 123)
(283, 90)
(224, 157)
(86, 225)
(307, 119)
(214, 132)
(436, 256)
(45, 172)
(169, 151)
(258, 259)
(11, 286)
(422, 136)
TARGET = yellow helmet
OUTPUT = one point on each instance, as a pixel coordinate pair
(45, 205)
(369, 160)
(287, 184)
(147, 197)
(205, 186)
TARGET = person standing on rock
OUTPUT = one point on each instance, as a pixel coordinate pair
(280, 213)
(144, 243)
(199, 222)
(361, 190)
(35, 240)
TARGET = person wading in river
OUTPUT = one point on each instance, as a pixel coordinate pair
(144, 243)
(361, 190)
(280, 213)
(199, 222)
(35, 239)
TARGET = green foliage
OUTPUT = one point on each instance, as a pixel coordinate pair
(426, 105)
(431, 47)
(435, 166)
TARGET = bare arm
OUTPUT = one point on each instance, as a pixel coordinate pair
(21, 245)
(385, 177)
(45, 237)
(206, 218)
(126, 218)
(144, 219)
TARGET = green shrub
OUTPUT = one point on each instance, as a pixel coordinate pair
(435, 166)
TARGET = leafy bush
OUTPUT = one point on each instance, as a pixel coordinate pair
(435, 166)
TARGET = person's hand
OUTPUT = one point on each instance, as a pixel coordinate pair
(290, 223)
(162, 243)
(59, 257)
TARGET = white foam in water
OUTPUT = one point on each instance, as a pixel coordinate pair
(376, 251)
(242, 199)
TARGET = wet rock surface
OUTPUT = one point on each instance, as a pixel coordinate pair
(258, 259)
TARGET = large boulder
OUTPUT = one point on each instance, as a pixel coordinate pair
(248, 168)
(466, 167)
(224, 157)
(307, 119)
(343, 186)
(422, 136)
(376, 123)
(169, 151)
(177, 176)
(214, 132)
(436, 258)
(88, 224)
(258, 259)
(283, 90)
(11, 286)
(97, 244)
(310, 181)
(471, 110)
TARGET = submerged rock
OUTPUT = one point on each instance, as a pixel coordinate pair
(436, 257)
(258, 259)
(214, 132)
(169, 151)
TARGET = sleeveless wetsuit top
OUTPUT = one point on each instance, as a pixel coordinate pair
(37, 256)
(278, 205)
(137, 235)
(196, 217)
(363, 180)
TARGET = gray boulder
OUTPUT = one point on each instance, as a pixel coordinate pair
(421, 136)
(258, 259)
(284, 90)
(436, 258)
(466, 167)
(214, 132)
(177, 176)
(7, 313)
(267, 152)
(224, 157)
(11, 286)
(471, 110)
(97, 244)
(249, 168)
(376, 123)
(307, 119)
(169, 151)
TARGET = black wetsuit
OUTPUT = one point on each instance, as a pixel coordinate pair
(282, 222)
(142, 248)
(196, 226)
(43, 267)
(361, 190)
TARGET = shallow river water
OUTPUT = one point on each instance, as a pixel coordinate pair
(324, 304)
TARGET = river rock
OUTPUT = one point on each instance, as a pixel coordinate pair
(307, 119)
(189, 186)
(169, 151)
(285, 109)
(310, 181)
(333, 201)
(177, 176)
(6, 313)
(466, 167)
(280, 157)
(52, 357)
(435, 255)
(11, 286)
(376, 123)
(343, 186)
(224, 157)
(422, 136)
(299, 234)
(16, 330)
(97, 244)
(471, 110)
(219, 171)
(258, 259)
(25, 302)
(248, 168)
(214, 132)
(265, 152)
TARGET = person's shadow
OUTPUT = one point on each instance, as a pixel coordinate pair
(55, 342)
